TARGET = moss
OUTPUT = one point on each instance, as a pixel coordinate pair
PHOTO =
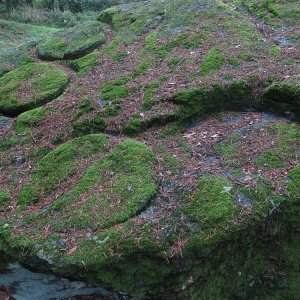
(172, 163)
(281, 97)
(227, 147)
(173, 62)
(86, 105)
(83, 124)
(213, 61)
(120, 56)
(149, 100)
(7, 143)
(284, 151)
(60, 164)
(4, 198)
(294, 185)
(87, 126)
(73, 43)
(265, 9)
(111, 91)
(201, 102)
(29, 119)
(137, 124)
(134, 20)
(161, 51)
(45, 82)
(85, 63)
(274, 51)
(211, 203)
(141, 69)
(13, 58)
(125, 176)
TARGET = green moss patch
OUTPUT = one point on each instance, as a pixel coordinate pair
(212, 204)
(132, 20)
(13, 58)
(82, 123)
(213, 61)
(116, 187)
(4, 198)
(59, 165)
(74, 42)
(29, 119)
(85, 63)
(284, 151)
(201, 102)
(30, 86)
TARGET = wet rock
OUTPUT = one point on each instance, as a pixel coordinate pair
(242, 199)
(4, 294)
(26, 285)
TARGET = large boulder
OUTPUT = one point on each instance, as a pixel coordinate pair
(109, 210)
(74, 42)
(30, 86)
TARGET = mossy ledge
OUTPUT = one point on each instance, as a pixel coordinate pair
(29, 87)
(280, 98)
(72, 43)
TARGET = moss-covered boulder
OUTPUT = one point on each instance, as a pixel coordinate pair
(108, 209)
(59, 165)
(30, 86)
(74, 42)
(13, 58)
(202, 205)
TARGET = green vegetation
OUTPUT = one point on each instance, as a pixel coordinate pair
(29, 119)
(149, 100)
(227, 147)
(183, 40)
(213, 61)
(200, 102)
(294, 186)
(120, 56)
(74, 42)
(136, 20)
(173, 62)
(284, 151)
(4, 198)
(115, 90)
(212, 204)
(44, 82)
(127, 181)
(216, 214)
(274, 51)
(59, 165)
(13, 58)
(13, 33)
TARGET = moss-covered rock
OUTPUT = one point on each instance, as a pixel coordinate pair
(85, 63)
(29, 119)
(13, 58)
(83, 123)
(133, 19)
(59, 165)
(74, 42)
(203, 208)
(30, 86)
(118, 186)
